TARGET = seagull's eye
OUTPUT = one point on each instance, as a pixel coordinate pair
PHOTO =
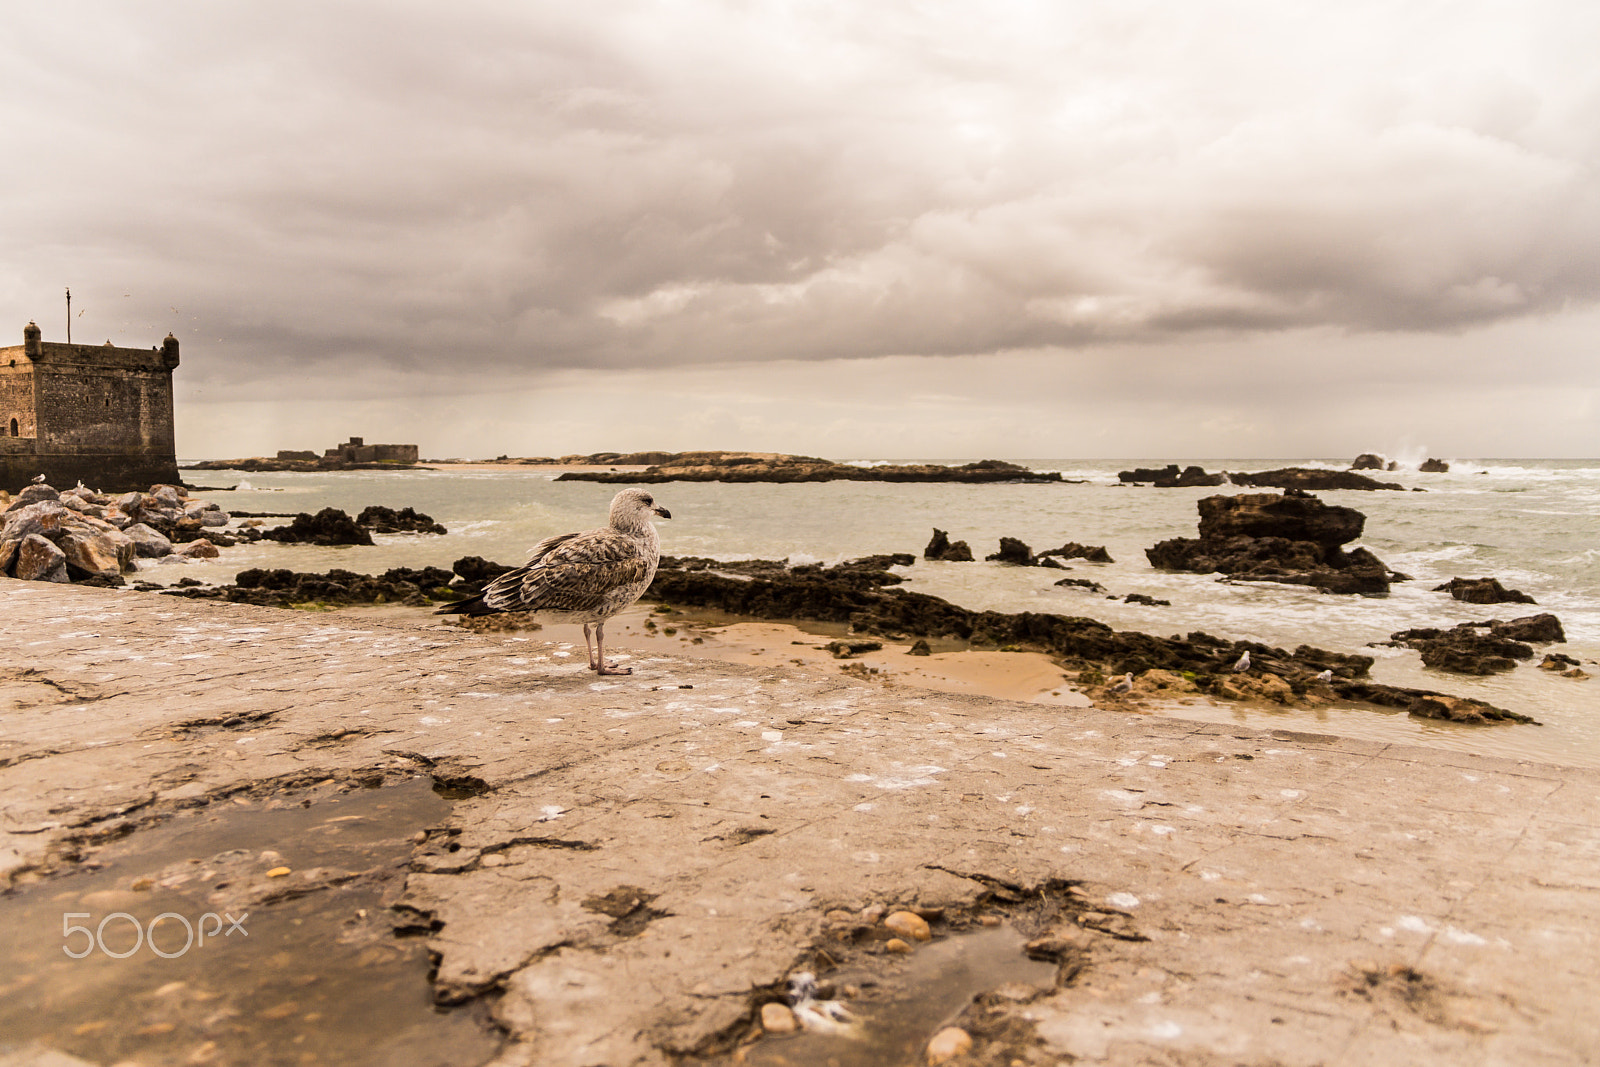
(648, 500)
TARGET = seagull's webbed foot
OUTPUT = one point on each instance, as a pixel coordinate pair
(606, 668)
(597, 657)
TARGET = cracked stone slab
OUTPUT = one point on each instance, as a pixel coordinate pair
(632, 866)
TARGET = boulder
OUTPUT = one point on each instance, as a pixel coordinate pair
(1483, 591)
(168, 496)
(201, 549)
(1012, 551)
(941, 547)
(1544, 628)
(330, 526)
(1293, 516)
(147, 543)
(384, 520)
(39, 560)
(1371, 461)
(1292, 538)
(1434, 466)
(32, 494)
(1073, 550)
(97, 553)
(43, 517)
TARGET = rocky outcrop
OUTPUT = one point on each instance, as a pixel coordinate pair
(1012, 551)
(940, 547)
(1371, 461)
(379, 519)
(1073, 550)
(285, 588)
(770, 467)
(1480, 647)
(1292, 538)
(330, 526)
(1434, 466)
(1309, 479)
(1169, 477)
(1483, 591)
(1091, 647)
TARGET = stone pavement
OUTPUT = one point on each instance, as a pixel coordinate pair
(636, 863)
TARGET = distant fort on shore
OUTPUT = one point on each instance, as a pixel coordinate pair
(354, 454)
(92, 413)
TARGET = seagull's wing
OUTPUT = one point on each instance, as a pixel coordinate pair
(571, 572)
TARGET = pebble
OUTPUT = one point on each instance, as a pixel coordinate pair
(270, 857)
(894, 944)
(988, 920)
(778, 1019)
(872, 913)
(949, 1043)
(277, 872)
(909, 924)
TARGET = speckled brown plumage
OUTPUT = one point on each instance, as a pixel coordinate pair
(582, 577)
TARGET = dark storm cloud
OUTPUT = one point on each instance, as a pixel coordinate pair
(505, 187)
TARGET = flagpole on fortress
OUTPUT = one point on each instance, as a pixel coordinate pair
(69, 315)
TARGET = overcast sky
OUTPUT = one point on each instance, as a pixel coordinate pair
(1159, 229)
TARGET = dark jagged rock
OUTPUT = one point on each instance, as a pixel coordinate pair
(330, 526)
(1081, 583)
(920, 647)
(773, 467)
(1434, 466)
(940, 547)
(1292, 538)
(384, 520)
(1543, 628)
(1014, 552)
(1169, 477)
(1309, 479)
(1461, 709)
(1371, 461)
(478, 569)
(1483, 591)
(1073, 550)
(844, 648)
(1074, 641)
(1467, 649)
(280, 587)
(1149, 601)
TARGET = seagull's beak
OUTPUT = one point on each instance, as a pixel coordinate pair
(663, 512)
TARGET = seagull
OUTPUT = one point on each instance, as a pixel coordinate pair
(1121, 688)
(1325, 676)
(582, 577)
(1243, 664)
(38, 479)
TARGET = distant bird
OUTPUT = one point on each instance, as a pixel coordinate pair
(582, 577)
(38, 479)
(1243, 664)
(1122, 688)
(1325, 676)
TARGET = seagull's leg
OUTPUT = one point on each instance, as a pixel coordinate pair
(588, 644)
(600, 644)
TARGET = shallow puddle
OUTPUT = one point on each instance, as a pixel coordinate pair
(193, 953)
(906, 1002)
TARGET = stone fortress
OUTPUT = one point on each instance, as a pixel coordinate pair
(92, 413)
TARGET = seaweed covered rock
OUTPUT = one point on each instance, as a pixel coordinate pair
(1292, 538)
(1012, 551)
(280, 587)
(1073, 550)
(1309, 479)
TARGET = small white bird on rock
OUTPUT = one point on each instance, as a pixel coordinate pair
(1325, 676)
(1122, 688)
(582, 577)
(1243, 664)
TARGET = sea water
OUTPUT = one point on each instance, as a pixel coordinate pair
(1535, 525)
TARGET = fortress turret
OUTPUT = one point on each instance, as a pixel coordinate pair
(169, 350)
(32, 341)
